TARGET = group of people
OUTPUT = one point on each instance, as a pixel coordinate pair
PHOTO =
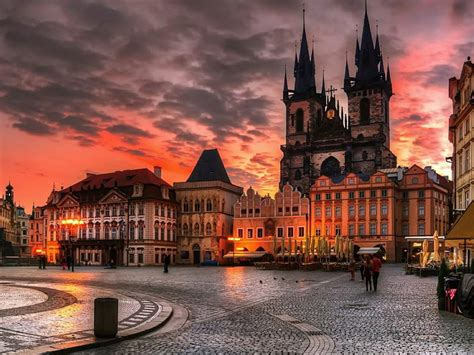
(42, 262)
(369, 271)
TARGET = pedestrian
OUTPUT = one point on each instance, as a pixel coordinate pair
(352, 266)
(44, 262)
(368, 273)
(362, 269)
(166, 261)
(40, 262)
(68, 262)
(376, 265)
(63, 263)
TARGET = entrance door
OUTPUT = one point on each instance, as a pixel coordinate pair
(113, 256)
(196, 254)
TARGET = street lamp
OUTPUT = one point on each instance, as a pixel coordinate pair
(70, 223)
(233, 239)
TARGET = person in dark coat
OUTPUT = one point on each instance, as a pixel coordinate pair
(166, 261)
(68, 261)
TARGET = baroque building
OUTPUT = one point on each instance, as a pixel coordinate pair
(128, 217)
(320, 138)
(461, 126)
(206, 203)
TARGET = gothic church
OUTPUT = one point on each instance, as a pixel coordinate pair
(320, 138)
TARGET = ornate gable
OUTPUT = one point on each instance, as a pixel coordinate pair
(113, 196)
(69, 200)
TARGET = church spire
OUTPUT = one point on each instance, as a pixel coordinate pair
(389, 80)
(323, 86)
(382, 69)
(313, 65)
(347, 77)
(367, 58)
(378, 51)
(285, 87)
(304, 73)
(357, 51)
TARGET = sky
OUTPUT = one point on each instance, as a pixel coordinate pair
(90, 86)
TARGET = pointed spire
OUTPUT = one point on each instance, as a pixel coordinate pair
(323, 86)
(285, 87)
(367, 69)
(313, 65)
(295, 68)
(389, 78)
(357, 51)
(382, 69)
(347, 77)
(378, 51)
(304, 75)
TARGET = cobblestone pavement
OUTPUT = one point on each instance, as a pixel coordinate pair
(231, 311)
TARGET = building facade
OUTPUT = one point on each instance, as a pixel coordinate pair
(22, 224)
(125, 217)
(381, 209)
(461, 126)
(206, 203)
(37, 231)
(260, 222)
(320, 138)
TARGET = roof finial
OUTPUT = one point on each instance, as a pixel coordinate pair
(365, 7)
(304, 10)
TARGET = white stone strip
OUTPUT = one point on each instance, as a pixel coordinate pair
(319, 343)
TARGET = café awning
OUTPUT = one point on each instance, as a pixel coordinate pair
(245, 254)
(463, 228)
(370, 251)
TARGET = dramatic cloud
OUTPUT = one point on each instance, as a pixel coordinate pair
(120, 84)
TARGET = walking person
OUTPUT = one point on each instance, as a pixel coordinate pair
(68, 262)
(352, 266)
(368, 273)
(166, 261)
(376, 265)
(362, 269)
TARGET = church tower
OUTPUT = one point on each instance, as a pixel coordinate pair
(317, 132)
(368, 94)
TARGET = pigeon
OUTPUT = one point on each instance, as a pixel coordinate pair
(283, 278)
(261, 281)
(296, 281)
(274, 278)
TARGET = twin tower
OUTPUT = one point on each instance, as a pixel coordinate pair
(320, 138)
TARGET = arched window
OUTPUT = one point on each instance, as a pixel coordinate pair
(185, 229)
(299, 120)
(141, 231)
(364, 111)
(197, 206)
(162, 231)
(196, 229)
(185, 206)
(157, 231)
(208, 229)
(208, 205)
(298, 174)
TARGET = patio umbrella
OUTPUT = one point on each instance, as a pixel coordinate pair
(336, 246)
(351, 249)
(425, 253)
(346, 248)
(436, 257)
(289, 249)
(313, 240)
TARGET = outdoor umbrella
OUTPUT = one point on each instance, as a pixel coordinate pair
(312, 245)
(436, 257)
(346, 248)
(425, 253)
(289, 249)
(337, 244)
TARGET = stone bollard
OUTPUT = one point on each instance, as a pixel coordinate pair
(105, 317)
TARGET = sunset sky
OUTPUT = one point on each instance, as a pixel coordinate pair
(102, 86)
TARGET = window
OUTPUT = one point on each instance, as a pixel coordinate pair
(351, 211)
(421, 229)
(384, 209)
(279, 232)
(97, 212)
(373, 228)
(338, 229)
(405, 195)
(208, 228)
(421, 194)
(351, 229)
(351, 182)
(466, 199)
(89, 233)
(466, 160)
(90, 213)
(318, 212)
(414, 180)
(361, 194)
(107, 231)
(328, 229)
(328, 211)
(294, 209)
(121, 211)
(466, 126)
(338, 211)
(300, 231)
(405, 210)
(318, 197)
(197, 206)
(114, 211)
(141, 230)
(240, 233)
(378, 179)
(361, 210)
(185, 206)
(140, 256)
(373, 193)
(259, 232)
(364, 111)
(460, 133)
(141, 209)
(196, 229)
(384, 193)
(299, 120)
(290, 232)
(107, 212)
(373, 210)
(318, 231)
(208, 205)
(157, 230)
(351, 195)
(460, 166)
(249, 233)
(405, 229)
(338, 195)
(384, 229)
(421, 210)
(131, 256)
(328, 196)
(361, 229)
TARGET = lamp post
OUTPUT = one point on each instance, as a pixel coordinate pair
(70, 223)
(233, 239)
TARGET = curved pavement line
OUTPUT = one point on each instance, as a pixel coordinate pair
(149, 326)
(56, 299)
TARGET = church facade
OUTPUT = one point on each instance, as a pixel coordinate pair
(320, 138)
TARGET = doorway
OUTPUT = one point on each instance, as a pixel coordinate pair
(196, 254)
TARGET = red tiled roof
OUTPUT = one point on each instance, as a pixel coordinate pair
(117, 179)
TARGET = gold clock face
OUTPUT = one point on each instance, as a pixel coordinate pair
(331, 114)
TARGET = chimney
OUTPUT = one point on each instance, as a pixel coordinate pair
(157, 171)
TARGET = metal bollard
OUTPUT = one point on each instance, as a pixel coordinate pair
(105, 317)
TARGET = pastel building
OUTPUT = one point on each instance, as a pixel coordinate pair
(259, 220)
